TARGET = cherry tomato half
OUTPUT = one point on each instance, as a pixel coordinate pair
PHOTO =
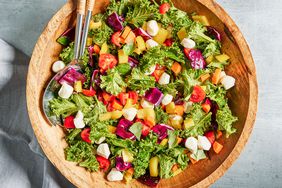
(103, 162)
(198, 94)
(107, 61)
(116, 39)
(88, 92)
(164, 8)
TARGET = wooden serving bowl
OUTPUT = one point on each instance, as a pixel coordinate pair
(242, 99)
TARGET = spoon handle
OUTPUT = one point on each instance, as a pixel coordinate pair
(78, 30)
(90, 6)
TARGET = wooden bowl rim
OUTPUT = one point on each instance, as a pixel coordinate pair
(217, 10)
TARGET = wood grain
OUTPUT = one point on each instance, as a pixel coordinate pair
(243, 99)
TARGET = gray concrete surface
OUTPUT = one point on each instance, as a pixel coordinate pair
(259, 165)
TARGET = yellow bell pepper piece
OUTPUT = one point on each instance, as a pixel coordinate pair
(122, 57)
(161, 36)
(222, 58)
(182, 33)
(202, 19)
(104, 48)
(154, 166)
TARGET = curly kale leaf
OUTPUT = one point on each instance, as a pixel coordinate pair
(112, 82)
(138, 81)
(201, 121)
(225, 120)
(64, 107)
(161, 115)
(82, 153)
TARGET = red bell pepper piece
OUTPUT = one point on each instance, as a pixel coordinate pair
(108, 97)
(157, 74)
(88, 92)
(103, 162)
(85, 134)
(198, 94)
(116, 105)
(68, 123)
(110, 107)
(123, 97)
(186, 52)
(134, 96)
(145, 130)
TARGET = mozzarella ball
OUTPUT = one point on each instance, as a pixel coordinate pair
(151, 70)
(152, 28)
(164, 79)
(188, 43)
(78, 120)
(222, 75)
(101, 139)
(58, 66)
(167, 99)
(146, 104)
(187, 106)
(192, 144)
(103, 150)
(114, 175)
(228, 82)
(204, 143)
(151, 43)
(65, 91)
(129, 113)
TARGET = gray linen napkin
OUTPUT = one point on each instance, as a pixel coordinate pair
(22, 162)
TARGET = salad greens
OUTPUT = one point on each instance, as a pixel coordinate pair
(112, 82)
(146, 104)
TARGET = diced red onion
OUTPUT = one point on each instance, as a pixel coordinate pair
(197, 59)
(154, 95)
(115, 22)
(121, 165)
(122, 129)
(142, 33)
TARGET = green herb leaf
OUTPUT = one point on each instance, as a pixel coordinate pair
(123, 69)
(136, 129)
(128, 48)
(172, 138)
(166, 163)
(63, 40)
(198, 155)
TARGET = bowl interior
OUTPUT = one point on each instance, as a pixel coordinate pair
(51, 138)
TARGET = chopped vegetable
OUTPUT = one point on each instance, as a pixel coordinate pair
(198, 94)
(217, 147)
(164, 8)
(107, 61)
(154, 96)
(85, 135)
(115, 22)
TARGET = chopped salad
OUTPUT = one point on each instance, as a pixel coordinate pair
(150, 98)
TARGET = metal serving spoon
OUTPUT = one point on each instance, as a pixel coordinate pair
(79, 48)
